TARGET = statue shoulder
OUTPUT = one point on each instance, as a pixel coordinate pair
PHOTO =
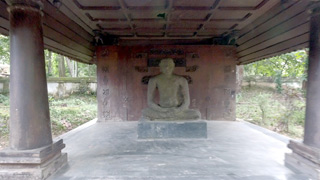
(154, 79)
(181, 78)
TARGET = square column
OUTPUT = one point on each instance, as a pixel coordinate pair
(305, 156)
(32, 153)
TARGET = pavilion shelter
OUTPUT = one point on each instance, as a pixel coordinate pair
(126, 39)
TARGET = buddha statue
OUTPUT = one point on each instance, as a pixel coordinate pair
(174, 97)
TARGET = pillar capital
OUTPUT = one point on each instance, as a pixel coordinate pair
(314, 8)
(38, 4)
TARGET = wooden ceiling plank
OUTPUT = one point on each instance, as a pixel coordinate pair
(302, 29)
(65, 53)
(236, 8)
(124, 10)
(67, 50)
(66, 20)
(105, 8)
(77, 15)
(3, 10)
(104, 19)
(61, 28)
(278, 8)
(4, 23)
(52, 34)
(276, 30)
(277, 19)
(275, 48)
(202, 25)
(282, 51)
(4, 31)
(232, 20)
(169, 6)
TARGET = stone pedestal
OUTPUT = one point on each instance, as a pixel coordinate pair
(32, 164)
(172, 129)
(304, 158)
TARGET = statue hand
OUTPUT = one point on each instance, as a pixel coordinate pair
(173, 111)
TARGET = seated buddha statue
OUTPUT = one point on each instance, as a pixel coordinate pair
(174, 97)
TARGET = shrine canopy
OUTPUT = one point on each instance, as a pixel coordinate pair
(258, 28)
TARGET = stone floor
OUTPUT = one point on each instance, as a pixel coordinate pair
(233, 150)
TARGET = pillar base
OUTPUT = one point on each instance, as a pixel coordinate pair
(32, 164)
(304, 158)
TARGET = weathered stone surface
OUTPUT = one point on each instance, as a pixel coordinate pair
(174, 97)
(304, 159)
(172, 129)
(32, 164)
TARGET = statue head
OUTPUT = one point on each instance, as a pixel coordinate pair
(167, 66)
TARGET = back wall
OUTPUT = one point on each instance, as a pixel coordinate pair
(123, 73)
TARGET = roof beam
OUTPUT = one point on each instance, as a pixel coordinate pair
(124, 10)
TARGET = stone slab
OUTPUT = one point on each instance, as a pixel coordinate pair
(232, 151)
(172, 129)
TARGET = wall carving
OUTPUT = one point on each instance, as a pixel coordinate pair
(141, 69)
(179, 62)
(167, 52)
(192, 68)
(192, 56)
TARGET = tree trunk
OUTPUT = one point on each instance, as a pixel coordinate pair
(49, 63)
(73, 67)
(239, 75)
(48, 57)
(62, 70)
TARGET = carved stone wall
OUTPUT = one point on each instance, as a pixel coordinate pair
(123, 73)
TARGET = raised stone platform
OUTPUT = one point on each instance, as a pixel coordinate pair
(32, 164)
(304, 159)
(172, 129)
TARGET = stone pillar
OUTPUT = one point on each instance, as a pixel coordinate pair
(305, 156)
(29, 109)
(31, 142)
(312, 123)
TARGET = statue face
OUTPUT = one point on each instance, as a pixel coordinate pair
(166, 66)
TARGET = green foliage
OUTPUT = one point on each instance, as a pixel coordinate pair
(284, 113)
(287, 65)
(4, 50)
(68, 113)
(65, 114)
(278, 81)
(280, 109)
(85, 70)
(4, 99)
(4, 119)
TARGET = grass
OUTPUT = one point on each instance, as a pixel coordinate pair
(264, 106)
(66, 114)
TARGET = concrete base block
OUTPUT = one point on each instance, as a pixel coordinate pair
(33, 164)
(172, 129)
(304, 159)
